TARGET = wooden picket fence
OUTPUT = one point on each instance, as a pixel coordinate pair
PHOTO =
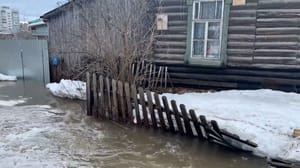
(109, 99)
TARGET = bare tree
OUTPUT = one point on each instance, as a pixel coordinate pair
(110, 36)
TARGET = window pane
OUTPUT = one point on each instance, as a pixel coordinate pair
(199, 31)
(196, 10)
(219, 10)
(198, 48)
(213, 48)
(214, 30)
(208, 10)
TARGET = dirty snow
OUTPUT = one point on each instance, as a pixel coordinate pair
(7, 78)
(68, 89)
(263, 116)
(11, 103)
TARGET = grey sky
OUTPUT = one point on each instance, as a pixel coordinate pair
(30, 9)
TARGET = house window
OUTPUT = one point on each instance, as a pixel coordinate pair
(206, 32)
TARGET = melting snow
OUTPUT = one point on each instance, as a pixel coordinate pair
(7, 78)
(11, 103)
(264, 116)
(68, 89)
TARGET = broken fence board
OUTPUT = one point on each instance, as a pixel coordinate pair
(177, 117)
(144, 107)
(196, 124)
(186, 120)
(159, 111)
(95, 97)
(136, 104)
(128, 102)
(121, 100)
(168, 113)
(88, 94)
(108, 98)
(102, 110)
(115, 109)
(151, 109)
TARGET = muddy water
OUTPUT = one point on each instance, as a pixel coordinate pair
(44, 131)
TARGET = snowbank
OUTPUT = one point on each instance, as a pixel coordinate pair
(263, 116)
(68, 89)
(7, 78)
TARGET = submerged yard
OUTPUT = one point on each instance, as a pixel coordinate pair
(38, 130)
(266, 117)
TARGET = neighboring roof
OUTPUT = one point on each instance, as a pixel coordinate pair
(55, 11)
(36, 22)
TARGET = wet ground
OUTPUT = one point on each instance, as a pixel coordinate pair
(38, 130)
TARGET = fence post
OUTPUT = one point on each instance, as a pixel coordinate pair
(95, 97)
(88, 94)
(115, 101)
(102, 112)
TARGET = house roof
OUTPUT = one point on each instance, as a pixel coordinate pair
(56, 11)
(35, 23)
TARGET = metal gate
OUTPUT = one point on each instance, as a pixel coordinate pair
(26, 59)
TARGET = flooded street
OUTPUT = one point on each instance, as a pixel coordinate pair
(38, 130)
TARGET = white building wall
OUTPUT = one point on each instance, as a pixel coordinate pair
(9, 20)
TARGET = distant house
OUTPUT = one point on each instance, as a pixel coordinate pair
(236, 44)
(38, 28)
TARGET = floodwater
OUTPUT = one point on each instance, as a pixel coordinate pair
(38, 130)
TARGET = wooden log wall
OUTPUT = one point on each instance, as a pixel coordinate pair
(108, 99)
(262, 52)
(241, 34)
(277, 34)
(170, 44)
(262, 34)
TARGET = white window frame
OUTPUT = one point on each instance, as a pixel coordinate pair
(206, 21)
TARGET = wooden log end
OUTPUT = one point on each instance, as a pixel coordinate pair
(296, 133)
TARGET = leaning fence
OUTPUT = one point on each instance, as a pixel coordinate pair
(124, 103)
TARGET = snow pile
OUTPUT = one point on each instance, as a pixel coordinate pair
(263, 116)
(68, 89)
(7, 78)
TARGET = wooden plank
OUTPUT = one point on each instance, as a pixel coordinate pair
(177, 117)
(95, 97)
(136, 105)
(122, 100)
(186, 120)
(160, 112)
(128, 101)
(144, 107)
(101, 98)
(115, 109)
(196, 124)
(205, 126)
(151, 109)
(88, 94)
(168, 113)
(296, 133)
(108, 98)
